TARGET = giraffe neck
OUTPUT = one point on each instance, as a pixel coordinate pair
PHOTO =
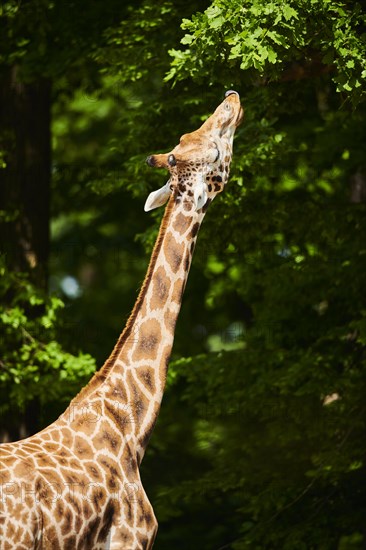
(129, 387)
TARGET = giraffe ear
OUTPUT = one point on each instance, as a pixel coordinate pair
(158, 198)
(200, 193)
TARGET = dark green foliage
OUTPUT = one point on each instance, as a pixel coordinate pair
(261, 439)
(33, 363)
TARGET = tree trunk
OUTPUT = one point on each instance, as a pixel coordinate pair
(24, 198)
(25, 182)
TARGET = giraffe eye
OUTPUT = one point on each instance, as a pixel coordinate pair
(227, 107)
(172, 160)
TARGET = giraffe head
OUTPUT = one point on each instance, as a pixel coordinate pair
(199, 165)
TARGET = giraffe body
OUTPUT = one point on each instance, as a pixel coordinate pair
(76, 484)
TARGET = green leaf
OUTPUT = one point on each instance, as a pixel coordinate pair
(289, 12)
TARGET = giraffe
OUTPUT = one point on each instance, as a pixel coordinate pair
(76, 484)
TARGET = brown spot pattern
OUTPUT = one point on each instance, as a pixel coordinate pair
(160, 289)
(148, 339)
(195, 229)
(82, 448)
(170, 320)
(177, 290)
(173, 253)
(146, 375)
(182, 222)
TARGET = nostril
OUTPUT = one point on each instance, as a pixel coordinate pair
(229, 92)
(150, 161)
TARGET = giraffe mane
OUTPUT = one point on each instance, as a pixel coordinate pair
(103, 372)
